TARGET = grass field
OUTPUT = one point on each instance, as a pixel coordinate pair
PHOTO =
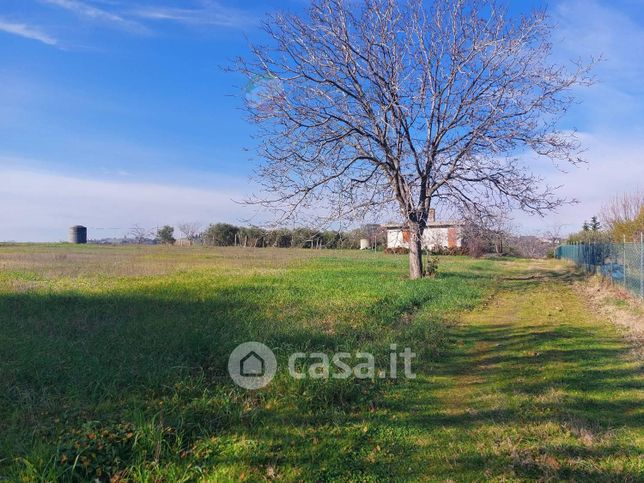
(113, 364)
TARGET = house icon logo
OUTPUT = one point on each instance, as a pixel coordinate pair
(252, 365)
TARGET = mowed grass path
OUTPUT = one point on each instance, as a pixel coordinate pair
(113, 364)
(535, 387)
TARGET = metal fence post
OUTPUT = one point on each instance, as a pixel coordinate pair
(624, 245)
(642, 265)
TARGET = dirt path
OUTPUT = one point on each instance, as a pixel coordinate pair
(538, 388)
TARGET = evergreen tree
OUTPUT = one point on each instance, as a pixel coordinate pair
(165, 234)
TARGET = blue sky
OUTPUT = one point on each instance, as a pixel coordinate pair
(115, 113)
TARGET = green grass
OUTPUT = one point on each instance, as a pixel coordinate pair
(113, 362)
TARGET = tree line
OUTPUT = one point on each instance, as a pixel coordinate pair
(226, 234)
(480, 237)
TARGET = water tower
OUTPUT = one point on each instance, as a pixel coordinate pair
(78, 234)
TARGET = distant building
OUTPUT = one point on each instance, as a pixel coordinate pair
(443, 234)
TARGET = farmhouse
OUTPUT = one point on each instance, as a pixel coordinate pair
(443, 234)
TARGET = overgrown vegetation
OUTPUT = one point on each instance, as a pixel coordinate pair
(225, 234)
(623, 216)
(590, 233)
(113, 364)
(629, 230)
(623, 221)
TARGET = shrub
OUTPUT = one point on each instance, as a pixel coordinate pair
(440, 250)
(165, 235)
(397, 251)
(432, 267)
(220, 234)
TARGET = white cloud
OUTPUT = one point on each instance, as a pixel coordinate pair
(28, 32)
(615, 165)
(609, 114)
(40, 206)
(592, 28)
(92, 12)
(210, 14)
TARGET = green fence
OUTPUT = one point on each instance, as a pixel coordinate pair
(623, 263)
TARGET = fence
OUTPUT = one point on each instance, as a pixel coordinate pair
(623, 263)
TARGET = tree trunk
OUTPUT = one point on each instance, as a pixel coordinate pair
(415, 252)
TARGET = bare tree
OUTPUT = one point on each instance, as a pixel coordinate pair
(486, 230)
(530, 246)
(381, 105)
(140, 234)
(622, 208)
(499, 227)
(554, 234)
(190, 230)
